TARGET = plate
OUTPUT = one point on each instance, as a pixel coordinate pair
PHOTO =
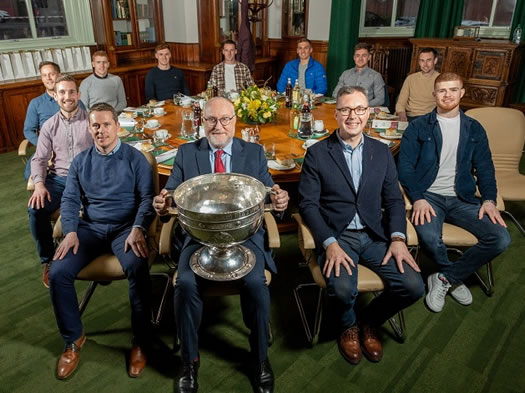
(159, 114)
(386, 116)
(272, 164)
(158, 103)
(152, 128)
(141, 147)
(123, 133)
(384, 135)
(129, 109)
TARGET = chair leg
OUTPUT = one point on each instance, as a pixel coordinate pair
(311, 335)
(87, 296)
(398, 326)
(487, 286)
(515, 221)
(160, 311)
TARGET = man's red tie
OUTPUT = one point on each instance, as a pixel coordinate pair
(219, 165)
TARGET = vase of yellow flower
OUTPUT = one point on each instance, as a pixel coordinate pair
(256, 105)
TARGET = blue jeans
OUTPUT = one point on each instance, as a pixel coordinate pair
(188, 305)
(401, 289)
(39, 222)
(493, 239)
(96, 239)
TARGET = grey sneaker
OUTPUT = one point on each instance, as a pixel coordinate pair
(438, 286)
(461, 294)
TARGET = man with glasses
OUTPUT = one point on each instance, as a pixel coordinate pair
(102, 86)
(221, 152)
(349, 226)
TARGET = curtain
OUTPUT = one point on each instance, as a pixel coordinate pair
(519, 19)
(344, 34)
(437, 18)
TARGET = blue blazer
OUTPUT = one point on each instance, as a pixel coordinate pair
(328, 200)
(193, 159)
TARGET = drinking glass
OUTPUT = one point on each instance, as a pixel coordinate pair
(139, 126)
(187, 129)
(269, 150)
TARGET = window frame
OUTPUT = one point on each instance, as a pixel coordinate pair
(383, 31)
(493, 31)
(79, 25)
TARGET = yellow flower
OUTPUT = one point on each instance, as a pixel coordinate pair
(267, 115)
(239, 112)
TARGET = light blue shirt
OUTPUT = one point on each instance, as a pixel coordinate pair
(115, 149)
(354, 161)
(226, 157)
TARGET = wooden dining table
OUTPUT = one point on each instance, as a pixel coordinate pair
(276, 132)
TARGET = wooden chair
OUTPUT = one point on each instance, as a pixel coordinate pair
(368, 281)
(106, 267)
(505, 129)
(379, 62)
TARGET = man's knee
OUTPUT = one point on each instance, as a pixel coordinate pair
(59, 272)
(501, 240)
(429, 236)
(342, 290)
(414, 287)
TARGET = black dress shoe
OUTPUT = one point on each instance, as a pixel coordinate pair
(188, 380)
(263, 378)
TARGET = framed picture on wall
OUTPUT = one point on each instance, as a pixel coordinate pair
(466, 32)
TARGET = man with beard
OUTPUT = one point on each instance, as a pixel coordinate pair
(416, 97)
(221, 152)
(61, 138)
(444, 155)
(363, 76)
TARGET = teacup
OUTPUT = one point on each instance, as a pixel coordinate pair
(158, 111)
(234, 95)
(161, 134)
(318, 125)
(186, 102)
(152, 123)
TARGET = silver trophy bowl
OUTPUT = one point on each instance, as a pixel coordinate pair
(221, 211)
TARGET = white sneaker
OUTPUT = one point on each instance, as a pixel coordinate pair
(438, 286)
(462, 295)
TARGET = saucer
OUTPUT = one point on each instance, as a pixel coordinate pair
(160, 114)
(272, 164)
(123, 133)
(384, 135)
(321, 133)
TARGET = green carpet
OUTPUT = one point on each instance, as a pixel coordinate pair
(480, 348)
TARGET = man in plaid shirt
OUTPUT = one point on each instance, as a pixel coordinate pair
(230, 74)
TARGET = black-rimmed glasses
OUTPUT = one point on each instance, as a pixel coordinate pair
(359, 111)
(212, 121)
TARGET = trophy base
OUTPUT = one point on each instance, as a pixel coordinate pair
(222, 264)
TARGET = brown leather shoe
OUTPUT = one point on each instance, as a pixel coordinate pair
(348, 344)
(68, 361)
(137, 362)
(372, 348)
(45, 274)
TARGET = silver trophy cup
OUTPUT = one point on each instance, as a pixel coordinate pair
(221, 211)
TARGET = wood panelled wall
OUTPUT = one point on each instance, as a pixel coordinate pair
(184, 53)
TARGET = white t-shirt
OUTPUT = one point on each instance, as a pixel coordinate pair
(444, 184)
(229, 77)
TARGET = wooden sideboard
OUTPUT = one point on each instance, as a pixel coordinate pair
(489, 67)
(15, 96)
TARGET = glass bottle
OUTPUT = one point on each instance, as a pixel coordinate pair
(289, 93)
(296, 94)
(516, 37)
(305, 128)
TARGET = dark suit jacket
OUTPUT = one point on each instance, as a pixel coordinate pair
(328, 200)
(193, 159)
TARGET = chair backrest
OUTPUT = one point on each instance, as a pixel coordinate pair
(379, 61)
(505, 129)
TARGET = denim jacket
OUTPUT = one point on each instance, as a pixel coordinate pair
(420, 153)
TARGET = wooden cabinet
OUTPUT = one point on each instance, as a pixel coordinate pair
(128, 29)
(489, 67)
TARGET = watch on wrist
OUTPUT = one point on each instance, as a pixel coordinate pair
(490, 201)
(397, 239)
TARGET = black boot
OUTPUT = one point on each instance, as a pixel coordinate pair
(188, 380)
(263, 377)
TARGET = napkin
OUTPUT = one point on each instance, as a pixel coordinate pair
(166, 156)
(126, 121)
